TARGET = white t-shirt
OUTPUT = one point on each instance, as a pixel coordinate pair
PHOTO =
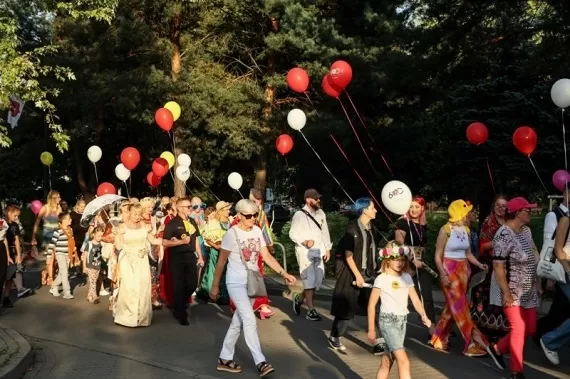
(250, 243)
(395, 292)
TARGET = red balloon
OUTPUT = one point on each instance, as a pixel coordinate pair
(525, 139)
(153, 180)
(297, 79)
(164, 119)
(106, 189)
(477, 133)
(329, 87)
(341, 74)
(284, 143)
(160, 167)
(130, 158)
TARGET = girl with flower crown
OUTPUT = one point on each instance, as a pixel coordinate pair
(395, 286)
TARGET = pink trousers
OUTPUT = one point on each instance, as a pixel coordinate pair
(523, 324)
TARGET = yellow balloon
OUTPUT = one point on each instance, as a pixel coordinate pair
(46, 158)
(174, 108)
(169, 158)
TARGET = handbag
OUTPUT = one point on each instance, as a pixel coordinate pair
(255, 282)
(548, 265)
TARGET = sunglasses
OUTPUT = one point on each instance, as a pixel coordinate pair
(250, 216)
(201, 206)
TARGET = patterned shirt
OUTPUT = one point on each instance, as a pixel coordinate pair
(517, 250)
(59, 242)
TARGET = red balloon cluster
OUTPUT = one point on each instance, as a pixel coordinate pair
(477, 133)
(160, 167)
(164, 119)
(329, 88)
(106, 189)
(130, 158)
(298, 80)
(340, 74)
(525, 139)
(153, 180)
(284, 143)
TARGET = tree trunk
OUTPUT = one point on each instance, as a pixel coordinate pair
(261, 166)
(175, 68)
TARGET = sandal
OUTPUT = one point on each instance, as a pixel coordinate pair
(228, 366)
(264, 369)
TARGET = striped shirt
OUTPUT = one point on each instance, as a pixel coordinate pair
(59, 242)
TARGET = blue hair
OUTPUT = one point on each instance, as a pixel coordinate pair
(361, 204)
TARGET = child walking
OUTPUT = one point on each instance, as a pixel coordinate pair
(93, 257)
(394, 285)
(59, 246)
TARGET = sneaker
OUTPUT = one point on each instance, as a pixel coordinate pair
(313, 315)
(296, 303)
(23, 292)
(551, 355)
(103, 292)
(54, 291)
(517, 375)
(378, 349)
(335, 344)
(497, 358)
(68, 296)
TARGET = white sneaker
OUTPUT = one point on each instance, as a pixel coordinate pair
(103, 292)
(551, 355)
(68, 296)
(54, 291)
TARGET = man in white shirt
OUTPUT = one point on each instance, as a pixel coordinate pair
(310, 233)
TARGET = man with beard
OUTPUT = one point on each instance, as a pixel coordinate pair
(310, 233)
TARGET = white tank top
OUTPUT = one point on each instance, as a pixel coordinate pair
(457, 243)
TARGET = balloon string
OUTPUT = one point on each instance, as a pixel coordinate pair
(357, 137)
(491, 175)
(534, 167)
(49, 177)
(362, 180)
(127, 188)
(564, 140)
(96, 176)
(200, 180)
(326, 168)
(240, 193)
(368, 133)
(130, 188)
(311, 102)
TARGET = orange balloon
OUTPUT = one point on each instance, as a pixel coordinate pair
(130, 158)
(284, 143)
(164, 119)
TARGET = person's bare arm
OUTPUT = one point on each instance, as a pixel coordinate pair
(400, 236)
(39, 218)
(372, 302)
(439, 247)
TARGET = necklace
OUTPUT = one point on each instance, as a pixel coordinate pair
(419, 233)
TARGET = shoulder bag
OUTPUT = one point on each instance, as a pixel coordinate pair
(255, 282)
(548, 266)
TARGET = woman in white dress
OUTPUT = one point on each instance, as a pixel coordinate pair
(133, 306)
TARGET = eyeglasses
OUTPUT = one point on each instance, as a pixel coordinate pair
(527, 211)
(250, 216)
(201, 206)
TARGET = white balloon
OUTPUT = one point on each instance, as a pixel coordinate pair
(560, 93)
(94, 153)
(184, 160)
(182, 172)
(235, 180)
(122, 173)
(296, 119)
(396, 197)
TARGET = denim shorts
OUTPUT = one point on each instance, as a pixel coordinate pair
(393, 329)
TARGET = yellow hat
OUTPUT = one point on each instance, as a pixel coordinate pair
(458, 210)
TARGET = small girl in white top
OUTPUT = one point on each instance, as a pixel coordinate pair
(395, 286)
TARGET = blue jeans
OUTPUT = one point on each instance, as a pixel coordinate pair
(393, 329)
(559, 337)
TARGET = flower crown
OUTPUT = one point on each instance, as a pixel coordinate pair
(395, 252)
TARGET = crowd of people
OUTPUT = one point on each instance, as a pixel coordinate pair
(151, 254)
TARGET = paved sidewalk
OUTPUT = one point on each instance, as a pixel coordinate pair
(78, 339)
(15, 353)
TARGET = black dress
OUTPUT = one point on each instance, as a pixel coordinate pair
(349, 300)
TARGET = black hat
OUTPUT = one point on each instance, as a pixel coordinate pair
(312, 194)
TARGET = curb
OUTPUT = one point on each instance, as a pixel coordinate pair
(19, 354)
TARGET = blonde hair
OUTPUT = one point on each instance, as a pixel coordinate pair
(131, 208)
(51, 203)
(393, 245)
(79, 203)
(147, 202)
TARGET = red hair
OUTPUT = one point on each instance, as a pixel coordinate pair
(421, 201)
